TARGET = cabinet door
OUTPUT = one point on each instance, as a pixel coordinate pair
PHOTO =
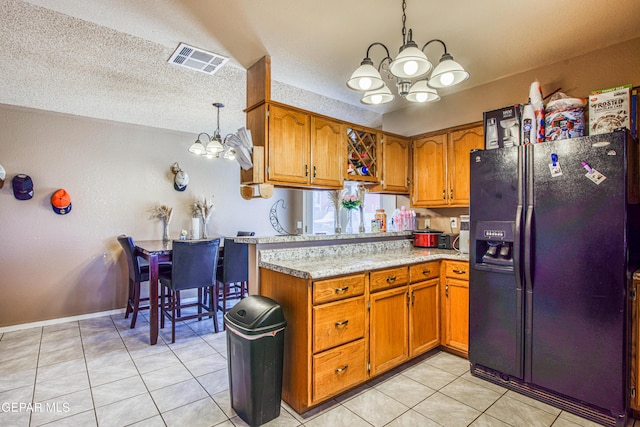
(395, 165)
(327, 154)
(388, 329)
(456, 314)
(461, 142)
(428, 186)
(424, 317)
(288, 146)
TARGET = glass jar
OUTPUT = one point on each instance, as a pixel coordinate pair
(382, 218)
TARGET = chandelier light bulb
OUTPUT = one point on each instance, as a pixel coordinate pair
(446, 79)
(421, 97)
(410, 68)
(376, 99)
(365, 83)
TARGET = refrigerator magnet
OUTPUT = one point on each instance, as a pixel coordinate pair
(595, 176)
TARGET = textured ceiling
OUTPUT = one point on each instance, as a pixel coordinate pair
(107, 59)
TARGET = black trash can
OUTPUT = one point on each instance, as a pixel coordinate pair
(255, 345)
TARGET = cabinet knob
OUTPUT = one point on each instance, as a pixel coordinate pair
(391, 279)
(426, 272)
(446, 291)
(459, 271)
(344, 289)
(344, 368)
(444, 194)
(343, 323)
(451, 194)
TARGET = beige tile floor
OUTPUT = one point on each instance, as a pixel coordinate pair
(99, 372)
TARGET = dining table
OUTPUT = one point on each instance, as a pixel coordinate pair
(155, 252)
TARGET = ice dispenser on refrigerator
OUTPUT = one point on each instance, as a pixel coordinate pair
(494, 244)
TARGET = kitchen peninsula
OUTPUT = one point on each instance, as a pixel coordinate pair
(359, 305)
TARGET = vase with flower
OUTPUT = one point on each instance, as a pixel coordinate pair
(203, 209)
(350, 203)
(163, 213)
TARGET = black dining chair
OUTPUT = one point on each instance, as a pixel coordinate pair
(232, 277)
(194, 267)
(138, 273)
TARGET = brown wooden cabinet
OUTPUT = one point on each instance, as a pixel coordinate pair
(343, 330)
(440, 161)
(300, 149)
(362, 151)
(455, 306)
(395, 165)
(326, 338)
(424, 313)
(388, 328)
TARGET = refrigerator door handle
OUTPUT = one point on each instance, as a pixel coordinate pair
(517, 249)
(528, 221)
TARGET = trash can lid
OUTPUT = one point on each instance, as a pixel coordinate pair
(255, 315)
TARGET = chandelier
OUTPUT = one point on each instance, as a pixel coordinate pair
(213, 146)
(410, 63)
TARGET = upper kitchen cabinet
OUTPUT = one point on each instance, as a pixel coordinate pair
(395, 165)
(441, 166)
(327, 141)
(362, 148)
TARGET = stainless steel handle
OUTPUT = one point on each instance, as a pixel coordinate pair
(391, 279)
(426, 272)
(451, 194)
(413, 298)
(314, 171)
(338, 290)
(343, 323)
(446, 291)
(344, 368)
(306, 170)
(444, 194)
(459, 271)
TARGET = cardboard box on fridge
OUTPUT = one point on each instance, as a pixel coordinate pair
(609, 109)
(502, 127)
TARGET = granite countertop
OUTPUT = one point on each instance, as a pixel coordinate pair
(326, 261)
(318, 237)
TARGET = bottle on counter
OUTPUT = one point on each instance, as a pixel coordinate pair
(382, 218)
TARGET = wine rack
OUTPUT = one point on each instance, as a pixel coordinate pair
(362, 151)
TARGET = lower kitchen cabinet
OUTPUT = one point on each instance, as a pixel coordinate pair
(455, 307)
(342, 331)
(388, 329)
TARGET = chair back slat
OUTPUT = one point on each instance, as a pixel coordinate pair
(194, 263)
(235, 263)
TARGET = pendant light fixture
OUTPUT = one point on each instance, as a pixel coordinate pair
(213, 146)
(410, 63)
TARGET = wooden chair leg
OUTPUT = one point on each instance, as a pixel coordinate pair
(136, 304)
(176, 298)
(213, 306)
(163, 307)
(129, 300)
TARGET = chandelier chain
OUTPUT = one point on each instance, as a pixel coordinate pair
(404, 22)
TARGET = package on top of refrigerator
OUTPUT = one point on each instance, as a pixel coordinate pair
(502, 127)
(609, 109)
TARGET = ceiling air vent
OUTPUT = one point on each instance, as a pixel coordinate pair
(197, 59)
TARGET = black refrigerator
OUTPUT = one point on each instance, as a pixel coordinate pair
(552, 249)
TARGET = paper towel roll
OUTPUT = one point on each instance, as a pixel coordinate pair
(195, 228)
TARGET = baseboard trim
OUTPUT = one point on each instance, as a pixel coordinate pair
(60, 320)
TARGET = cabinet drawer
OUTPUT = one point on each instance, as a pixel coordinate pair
(338, 369)
(340, 288)
(424, 271)
(457, 270)
(337, 323)
(390, 278)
